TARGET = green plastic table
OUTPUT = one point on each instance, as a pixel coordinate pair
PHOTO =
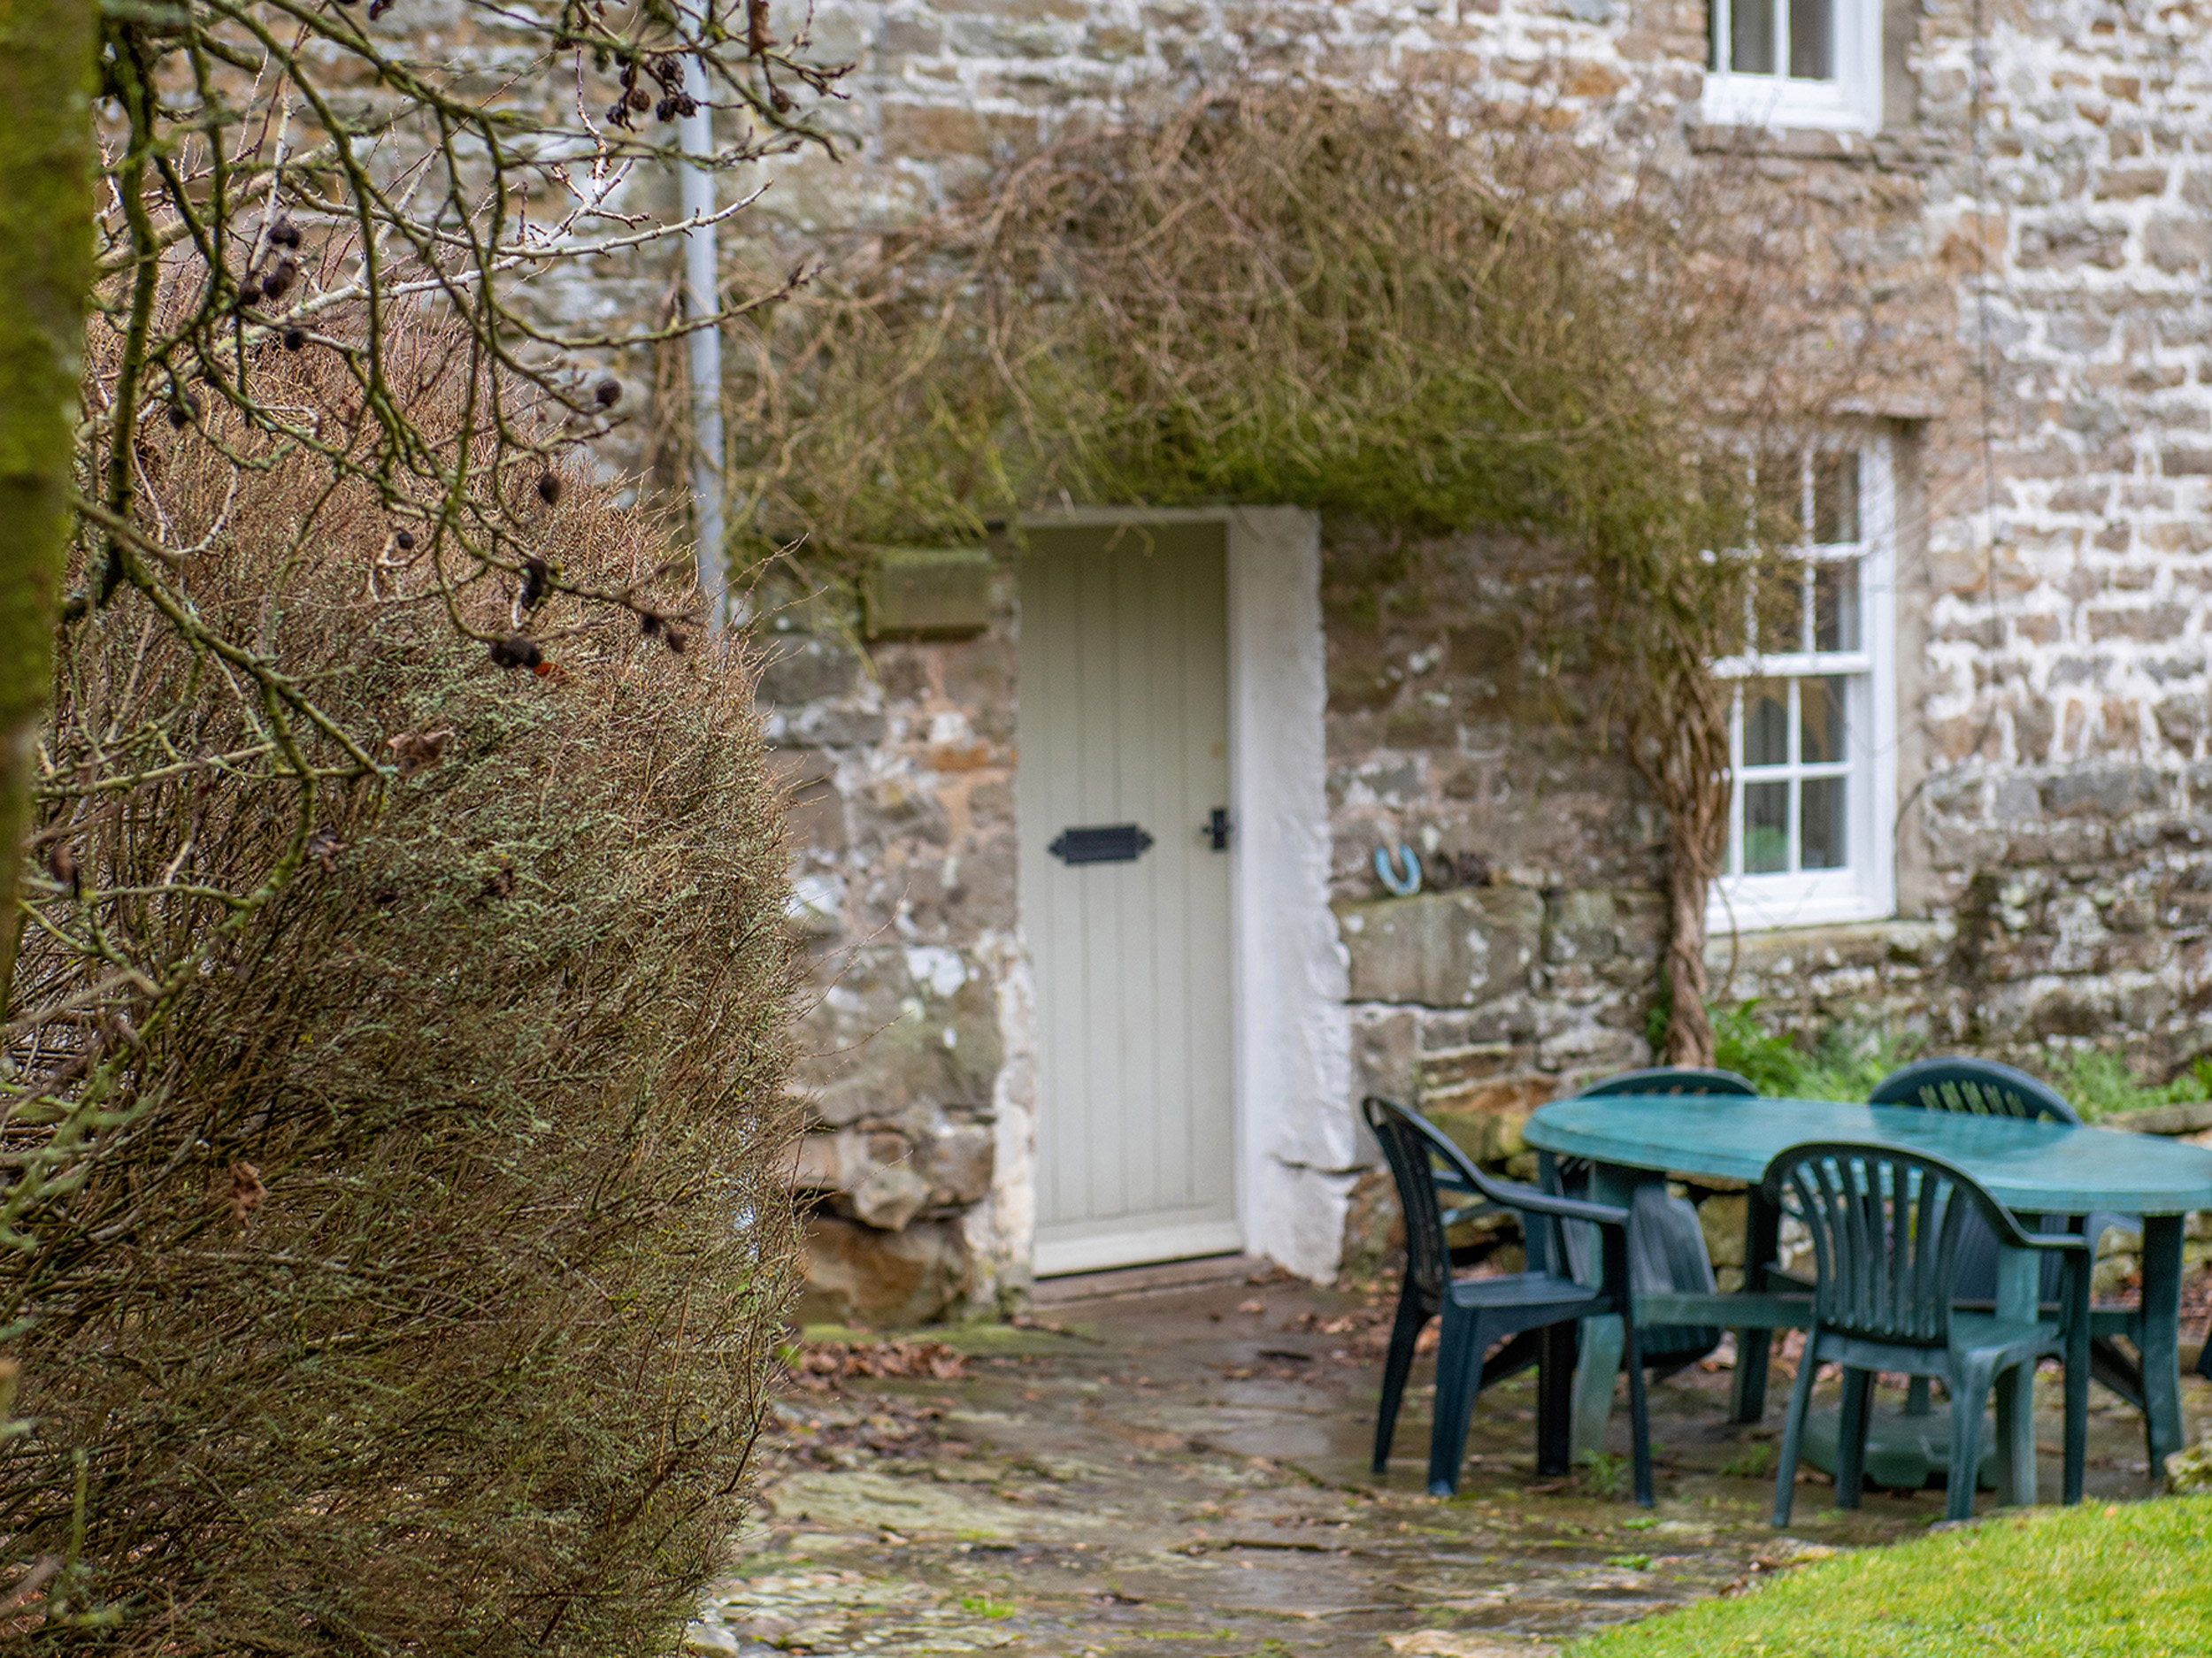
(2034, 1167)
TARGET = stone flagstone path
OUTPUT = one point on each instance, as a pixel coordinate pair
(1187, 1473)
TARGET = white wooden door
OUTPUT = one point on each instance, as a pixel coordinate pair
(1123, 720)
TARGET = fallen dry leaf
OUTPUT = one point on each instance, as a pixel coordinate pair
(1448, 1643)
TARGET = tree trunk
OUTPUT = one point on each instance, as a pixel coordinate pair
(1689, 1032)
(1678, 740)
(46, 82)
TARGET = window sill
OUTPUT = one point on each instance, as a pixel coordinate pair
(1739, 905)
(1895, 943)
(1830, 120)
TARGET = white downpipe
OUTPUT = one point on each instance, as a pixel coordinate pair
(704, 353)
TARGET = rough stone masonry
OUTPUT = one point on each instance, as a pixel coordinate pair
(2037, 209)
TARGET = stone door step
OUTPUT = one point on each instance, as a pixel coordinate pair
(1149, 1280)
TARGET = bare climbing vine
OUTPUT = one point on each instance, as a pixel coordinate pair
(1413, 310)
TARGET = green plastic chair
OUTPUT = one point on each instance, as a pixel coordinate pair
(1478, 1313)
(1666, 1246)
(1983, 1087)
(1885, 1226)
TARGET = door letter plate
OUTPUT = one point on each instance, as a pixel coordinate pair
(1115, 843)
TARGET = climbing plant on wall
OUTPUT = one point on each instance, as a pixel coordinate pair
(1421, 314)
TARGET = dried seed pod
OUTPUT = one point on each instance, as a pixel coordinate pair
(295, 339)
(619, 114)
(275, 284)
(418, 750)
(247, 1192)
(517, 651)
(608, 392)
(249, 292)
(639, 99)
(404, 540)
(536, 579)
(549, 489)
(686, 105)
(284, 233)
(649, 624)
(665, 110)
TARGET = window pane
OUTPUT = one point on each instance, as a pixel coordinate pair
(1766, 828)
(1836, 606)
(1751, 37)
(1835, 491)
(1779, 604)
(1766, 722)
(1821, 823)
(1812, 40)
(1820, 710)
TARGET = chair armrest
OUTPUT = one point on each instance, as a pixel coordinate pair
(1459, 1173)
(2071, 1242)
(1515, 1196)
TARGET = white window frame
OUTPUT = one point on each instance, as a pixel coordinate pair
(1865, 888)
(1850, 103)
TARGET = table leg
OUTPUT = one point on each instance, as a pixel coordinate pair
(2019, 1282)
(1761, 1243)
(1599, 1361)
(2161, 1340)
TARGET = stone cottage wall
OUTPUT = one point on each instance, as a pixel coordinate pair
(2038, 218)
(899, 758)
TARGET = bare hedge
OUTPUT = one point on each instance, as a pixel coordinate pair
(408, 1279)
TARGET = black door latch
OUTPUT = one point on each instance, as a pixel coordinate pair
(1215, 829)
(1111, 843)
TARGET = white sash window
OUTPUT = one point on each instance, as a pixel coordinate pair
(1812, 730)
(1795, 63)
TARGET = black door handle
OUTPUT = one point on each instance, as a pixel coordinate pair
(1110, 843)
(1215, 829)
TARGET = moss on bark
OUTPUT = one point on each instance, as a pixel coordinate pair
(46, 79)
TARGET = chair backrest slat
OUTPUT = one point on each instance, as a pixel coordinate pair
(1672, 1080)
(1975, 1087)
(1885, 1226)
(1428, 1256)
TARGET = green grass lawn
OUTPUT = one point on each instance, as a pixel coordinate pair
(2131, 1581)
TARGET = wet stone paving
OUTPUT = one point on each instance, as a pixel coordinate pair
(1187, 1472)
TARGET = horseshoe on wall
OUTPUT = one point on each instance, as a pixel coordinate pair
(1386, 871)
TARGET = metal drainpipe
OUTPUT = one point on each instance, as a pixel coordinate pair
(704, 346)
